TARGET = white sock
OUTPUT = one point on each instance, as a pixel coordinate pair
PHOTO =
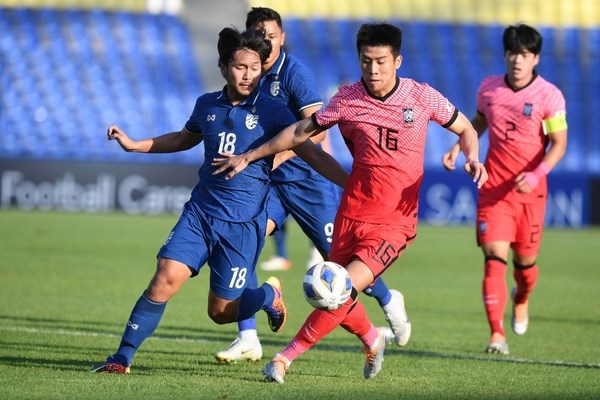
(248, 334)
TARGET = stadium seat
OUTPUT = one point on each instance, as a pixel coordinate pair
(82, 70)
(135, 69)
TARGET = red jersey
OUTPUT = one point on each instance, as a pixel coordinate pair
(517, 139)
(386, 137)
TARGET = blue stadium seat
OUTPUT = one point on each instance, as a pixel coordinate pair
(105, 67)
(79, 71)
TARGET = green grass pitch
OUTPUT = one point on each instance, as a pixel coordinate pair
(69, 281)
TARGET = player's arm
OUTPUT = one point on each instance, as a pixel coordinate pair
(282, 157)
(322, 162)
(480, 125)
(288, 138)
(556, 129)
(468, 141)
(168, 143)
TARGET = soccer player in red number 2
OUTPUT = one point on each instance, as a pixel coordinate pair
(383, 119)
(524, 113)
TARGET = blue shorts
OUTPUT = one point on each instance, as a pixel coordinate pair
(231, 249)
(313, 202)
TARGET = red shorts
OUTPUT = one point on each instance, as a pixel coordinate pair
(377, 245)
(521, 224)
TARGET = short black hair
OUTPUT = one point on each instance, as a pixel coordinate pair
(379, 34)
(231, 40)
(517, 38)
(261, 14)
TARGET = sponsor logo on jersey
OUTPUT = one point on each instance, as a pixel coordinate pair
(275, 88)
(482, 227)
(211, 117)
(251, 121)
(528, 109)
(409, 115)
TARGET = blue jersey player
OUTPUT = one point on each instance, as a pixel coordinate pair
(223, 224)
(296, 188)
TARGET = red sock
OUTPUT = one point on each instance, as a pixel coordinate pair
(318, 325)
(526, 279)
(495, 293)
(358, 323)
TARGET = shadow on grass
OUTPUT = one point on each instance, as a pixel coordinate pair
(203, 335)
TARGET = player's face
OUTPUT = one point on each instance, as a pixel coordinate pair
(519, 67)
(378, 66)
(242, 74)
(276, 36)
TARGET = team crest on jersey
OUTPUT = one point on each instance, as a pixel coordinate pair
(251, 121)
(275, 88)
(528, 109)
(409, 115)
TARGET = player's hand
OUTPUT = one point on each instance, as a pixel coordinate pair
(227, 161)
(449, 158)
(477, 171)
(115, 133)
(526, 182)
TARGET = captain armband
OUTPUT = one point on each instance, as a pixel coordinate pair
(555, 123)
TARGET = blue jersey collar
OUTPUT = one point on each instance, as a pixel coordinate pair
(276, 68)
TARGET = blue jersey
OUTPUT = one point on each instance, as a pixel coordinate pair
(294, 85)
(235, 129)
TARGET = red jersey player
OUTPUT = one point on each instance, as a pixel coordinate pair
(384, 120)
(524, 113)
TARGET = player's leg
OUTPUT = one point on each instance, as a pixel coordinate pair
(233, 259)
(314, 256)
(146, 314)
(392, 304)
(375, 249)
(277, 229)
(495, 232)
(313, 203)
(246, 346)
(280, 261)
(177, 261)
(318, 325)
(349, 250)
(494, 290)
(525, 272)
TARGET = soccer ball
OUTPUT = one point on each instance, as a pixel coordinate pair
(327, 285)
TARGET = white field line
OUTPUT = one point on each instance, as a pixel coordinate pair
(65, 332)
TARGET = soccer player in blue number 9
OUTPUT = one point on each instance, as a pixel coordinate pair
(297, 189)
(224, 222)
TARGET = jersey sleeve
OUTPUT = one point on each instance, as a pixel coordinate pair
(193, 124)
(304, 91)
(482, 104)
(555, 116)
(443, 111)
(331, 114)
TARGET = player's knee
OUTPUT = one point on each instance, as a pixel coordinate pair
(493, 257)
(218, 318)
(160, 288)
(524, 263)
(221, 316)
